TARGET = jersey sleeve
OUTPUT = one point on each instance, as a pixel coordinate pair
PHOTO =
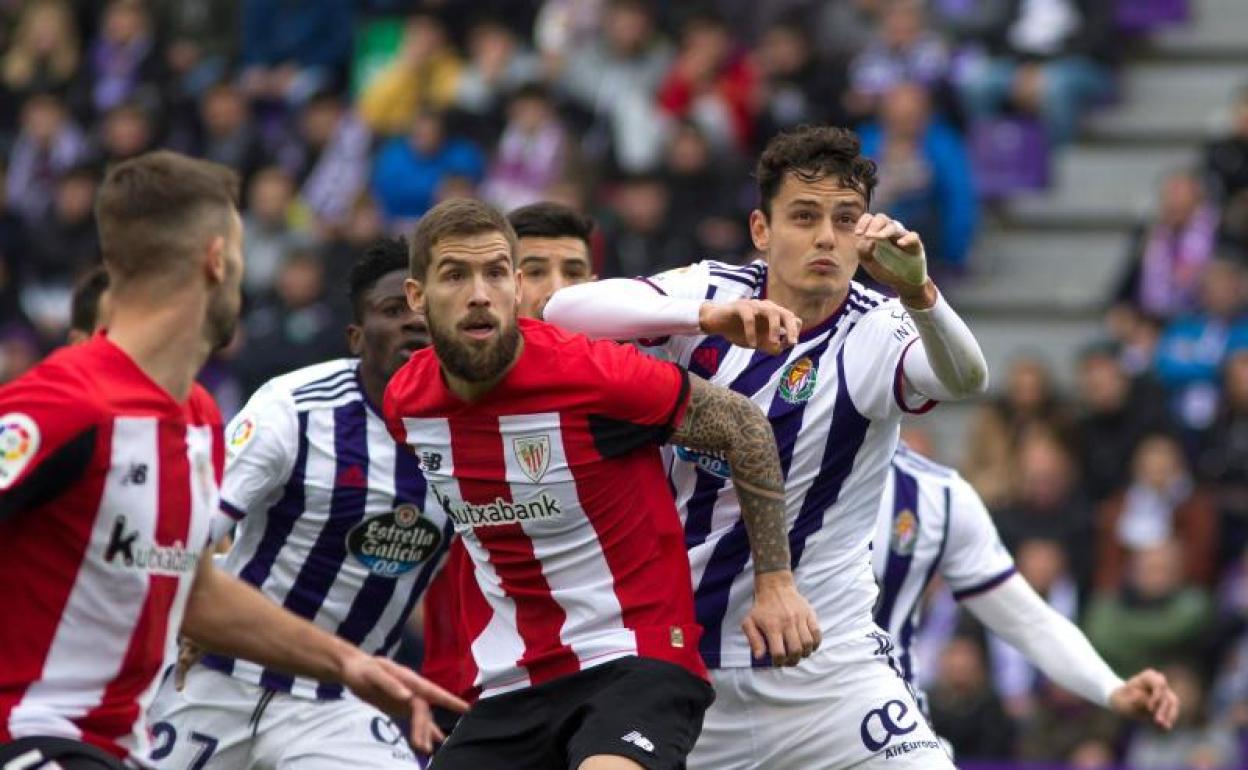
(261, 443)
(640, 401)
(975, 560)
(47, 441)
(692, 282)
(875, 351)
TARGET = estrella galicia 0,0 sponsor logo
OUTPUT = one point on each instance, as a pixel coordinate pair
(392, 544)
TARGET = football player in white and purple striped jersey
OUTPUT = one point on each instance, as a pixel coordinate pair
(835, 393)
(931, 522)
(334, 524)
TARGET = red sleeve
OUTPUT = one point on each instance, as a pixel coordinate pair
(642, 399)
(47, 440)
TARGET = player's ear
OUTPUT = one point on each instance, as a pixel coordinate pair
(214, 259)
(415, 291)
(355, 339)
(760, 230)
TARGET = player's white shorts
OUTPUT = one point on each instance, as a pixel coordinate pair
(218, 722)
(843, 707)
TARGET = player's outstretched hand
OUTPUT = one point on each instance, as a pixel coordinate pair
(1147, 697)
(751, 323)
(188, 655)
(892, 254)
(781, 622)
(396, 689)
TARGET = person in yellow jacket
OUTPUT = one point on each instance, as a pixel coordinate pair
(424, 74)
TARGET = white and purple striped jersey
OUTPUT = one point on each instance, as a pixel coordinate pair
(334, 519)
(835, 401)
(930, 521)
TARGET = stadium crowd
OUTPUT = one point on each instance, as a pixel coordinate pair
(1125, 503)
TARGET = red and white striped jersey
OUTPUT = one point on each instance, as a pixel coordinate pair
(107, 490)
(554, 480)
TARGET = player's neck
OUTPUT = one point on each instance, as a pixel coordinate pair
(469, 390)
(812, 309)
(164, 339)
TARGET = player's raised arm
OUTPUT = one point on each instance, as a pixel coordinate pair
(949, 364)
(226, 616)
(627, 309)
(725, 422)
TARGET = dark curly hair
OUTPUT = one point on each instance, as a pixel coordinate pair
(812, 153)
(382, 257)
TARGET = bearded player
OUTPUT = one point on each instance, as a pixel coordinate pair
(835, 393)
(544, 452)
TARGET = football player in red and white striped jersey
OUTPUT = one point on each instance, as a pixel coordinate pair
(543, 448)
(110, 457)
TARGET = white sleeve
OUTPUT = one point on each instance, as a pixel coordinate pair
(622, 309)
(948, 365)
(261, 444)
(1018, 615)
(874, 352)
(975, 559)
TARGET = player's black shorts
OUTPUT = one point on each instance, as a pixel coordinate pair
(647, 710)
(39, 753)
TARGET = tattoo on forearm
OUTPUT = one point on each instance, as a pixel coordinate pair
(719, 420)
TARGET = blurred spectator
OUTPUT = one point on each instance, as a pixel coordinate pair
(293, 327)
(964, 709)
(498, 65)
(706, 197)
(126, 131)
(58, 247)
(1197, 741)
(637, 229)
(19, 350)
(925, 175)
(1116, 413)
(1043, 564)
(409, 170)
(1161, 504)
(267, 223)
(229, 135)
(1223, 459)
(903, 50)
(42, 55)
(1048, 502)
(795, 86)
(1051, 58)
(531, 153)
(199, 38)
(292, 50)
(48, 145)
(1155, 618)
(123, 63)
(1193, 347)
(425, 75)
(332, 161)
(845, 28)
(1030, 399)
(1169, 253)
(12, 261)
(1068, 730)
(1226, 165)
(364, 225)
(615, 79)
(712, 83)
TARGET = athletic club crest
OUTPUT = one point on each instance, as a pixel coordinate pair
(797, 383)
(533, 454)
(905, 533)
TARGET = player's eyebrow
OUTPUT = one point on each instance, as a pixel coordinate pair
(534, 258)
(803, 203)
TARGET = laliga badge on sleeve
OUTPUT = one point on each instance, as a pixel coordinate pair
(19, 441)
(242, 431)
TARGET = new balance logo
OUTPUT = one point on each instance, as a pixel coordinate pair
(136, 475)
(639, 740)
